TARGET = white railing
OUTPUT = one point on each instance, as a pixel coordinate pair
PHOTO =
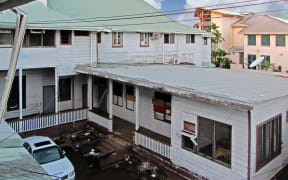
(49, 120)
(153, 145)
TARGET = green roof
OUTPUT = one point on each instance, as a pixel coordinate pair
(115, 9)
(283, 16)
(38, 14)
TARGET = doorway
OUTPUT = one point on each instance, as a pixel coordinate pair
(48, 99)
(84, 96)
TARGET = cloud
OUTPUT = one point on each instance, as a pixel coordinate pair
(155, 3)
(202, 3)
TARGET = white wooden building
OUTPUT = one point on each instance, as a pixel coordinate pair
(67, 64)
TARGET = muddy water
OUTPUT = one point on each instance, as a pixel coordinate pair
(85, 169)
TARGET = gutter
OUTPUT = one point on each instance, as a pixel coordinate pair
(249, 146)
(212, 98)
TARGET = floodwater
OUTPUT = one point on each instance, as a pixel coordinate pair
(127, 170)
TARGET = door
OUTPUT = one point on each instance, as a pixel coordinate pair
(84, 96)
(48, 99)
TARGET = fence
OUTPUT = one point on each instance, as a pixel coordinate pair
(49, 120)
(153, 145)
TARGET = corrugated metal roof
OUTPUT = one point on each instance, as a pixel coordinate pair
(39, 15)
(283, 16)
(120, 9)
(217, 85)
(15, 161)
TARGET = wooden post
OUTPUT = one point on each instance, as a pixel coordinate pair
(56, 90)
(20, 95)
(110, 99)
(137, 108)
(90, 96)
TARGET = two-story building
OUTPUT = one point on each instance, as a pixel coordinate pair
(131, 72)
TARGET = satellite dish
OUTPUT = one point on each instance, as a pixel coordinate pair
(256, 62)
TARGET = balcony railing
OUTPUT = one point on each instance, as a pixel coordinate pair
(152, 144)
(44, 121)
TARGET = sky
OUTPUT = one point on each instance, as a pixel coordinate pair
(166, 5)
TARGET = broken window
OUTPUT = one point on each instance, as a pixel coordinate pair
(118, 94)
(81, 33)
(169, 38)
(117, 39)
(144, 39)
(66, 37)
(130, 97)
(65, 89)
(213, 140)
(268, 141)
(6, 38)
(39, 38)
(162, 107)
(190, 38)
(13, 101)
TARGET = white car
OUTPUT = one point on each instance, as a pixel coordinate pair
(51, 158)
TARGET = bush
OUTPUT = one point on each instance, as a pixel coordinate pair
(266, 65)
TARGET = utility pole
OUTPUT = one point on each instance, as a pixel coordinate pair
(22, 19)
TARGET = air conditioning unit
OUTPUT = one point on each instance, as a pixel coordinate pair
(190, 126)
(155, 36)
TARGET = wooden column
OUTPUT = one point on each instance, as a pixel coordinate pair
(110, 99)
(90, 89)
(20, 95)
(56, 90)
(137, 108)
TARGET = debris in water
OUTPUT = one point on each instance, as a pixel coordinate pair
(87, 134)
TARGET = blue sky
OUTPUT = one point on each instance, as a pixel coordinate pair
(164, 5)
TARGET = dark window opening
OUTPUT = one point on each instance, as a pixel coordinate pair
(169, 38)
(43, 38)
(251, 40)
(130, 97)
(66, 37)
(117, 94)
(251, 59)
(65, 89)
(268, 141)
(280, 40)
(190, 39)
(162, 107)
(6, 38)
(13, 100)
(81, 33)
(205, 40)
(49, 38)
(99, 37)
(265, 41)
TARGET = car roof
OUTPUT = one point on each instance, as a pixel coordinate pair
(39, 142)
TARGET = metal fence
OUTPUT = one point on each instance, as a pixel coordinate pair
(44, 121)
(153, 145)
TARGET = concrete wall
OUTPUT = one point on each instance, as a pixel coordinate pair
(260, 114)
(278, 54)
(201, 165)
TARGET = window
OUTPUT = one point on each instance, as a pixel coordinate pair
(169, 38)
(213, 141)
(251, 40)
(81, 33)
(190, 38)
(266, 58)
(144, 39)
(39, 38)
(205, 40)
(6, 38)
(130, 97)
(265, 40)
(66, 37)
(162, 107)
(13, 100)
(280, 40)
(118, 94)
(65, 89)
(251, 58)
(268, 141)
(117, 39)
(99, 37)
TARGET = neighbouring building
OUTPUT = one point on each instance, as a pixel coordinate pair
(136, 76)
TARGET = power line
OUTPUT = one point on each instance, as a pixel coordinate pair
(149, 16)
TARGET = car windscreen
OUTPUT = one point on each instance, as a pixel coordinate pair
(47, 155)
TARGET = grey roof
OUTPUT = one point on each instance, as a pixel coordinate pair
(242, 89)
(15, 162)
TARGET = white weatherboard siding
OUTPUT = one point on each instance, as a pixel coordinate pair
(201, 165)
(260, 114)
(131, 52)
